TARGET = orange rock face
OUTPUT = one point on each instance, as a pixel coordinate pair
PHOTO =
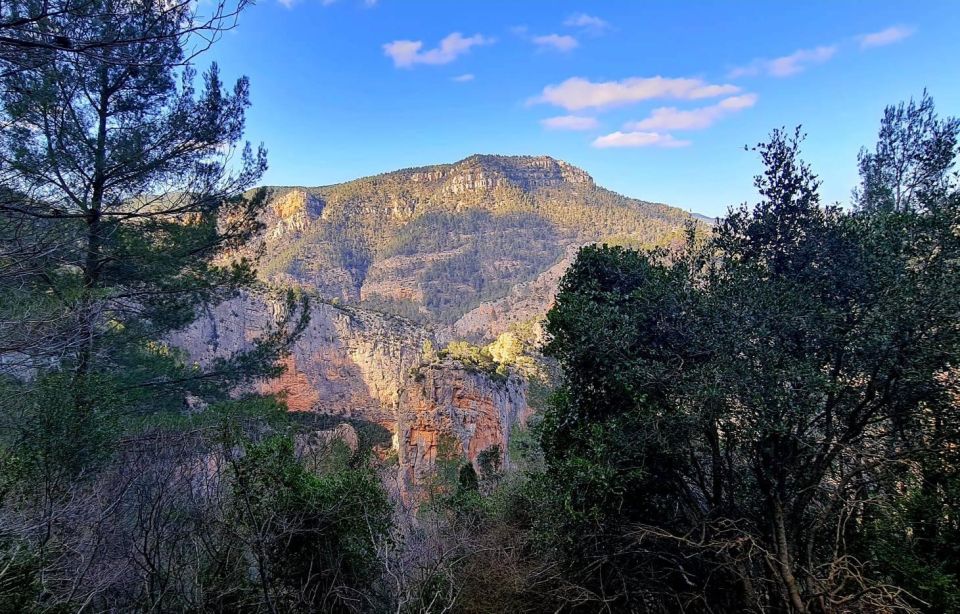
(470, 411)
(293, 386)
(355, 363)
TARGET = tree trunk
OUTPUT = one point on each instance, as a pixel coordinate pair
(93, 252)
(783, 558)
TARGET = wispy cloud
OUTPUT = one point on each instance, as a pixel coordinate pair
(787, 65)
(637, 139)
(569, 122)
(463, 78)
(578, 93)
(588, 22)
(889, 36)
(367, 3)
(672, 118)
(407, 53)
(556, 42)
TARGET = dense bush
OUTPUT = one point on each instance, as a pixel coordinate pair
(769, 421)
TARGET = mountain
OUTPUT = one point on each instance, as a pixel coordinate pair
(443, 245)
(400, 264)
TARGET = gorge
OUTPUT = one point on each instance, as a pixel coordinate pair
(399, 264)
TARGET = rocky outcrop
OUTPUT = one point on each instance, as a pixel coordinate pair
(450, 410)
(355, 363)
(348, 362)
(479, 173)
(292, 213)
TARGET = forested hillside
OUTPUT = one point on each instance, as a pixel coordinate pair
(432, 243)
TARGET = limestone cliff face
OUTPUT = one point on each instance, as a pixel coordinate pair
(292, 213)
(479, 173)
(348, 361)
(360, 364)
(449, 408)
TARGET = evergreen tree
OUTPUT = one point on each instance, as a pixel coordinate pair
(755, 400)
(128, 183)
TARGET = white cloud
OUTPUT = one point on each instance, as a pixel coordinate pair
(786, 65)
(671, 118)
(463, 78)
(569, 122)
(637, 139)
(557, 42)
(407, 53)
(578, 93)
(889, 36)
(291, 3)
(366, 3)
(582, 20)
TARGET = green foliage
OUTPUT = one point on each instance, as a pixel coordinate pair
(472, 357)
(489, 461)
(507, 354)
(265, 411)
(121, 235)
(468, 481)
(310, 533)
(46, 439)
(124, 214)
(928, 567)
(738, 379)
(912, 161)
(19, 577)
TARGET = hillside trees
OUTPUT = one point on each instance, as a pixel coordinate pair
(122, 211)
(127, 183)
(760, 401)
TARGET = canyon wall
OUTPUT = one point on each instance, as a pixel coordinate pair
(448, 405)
(360, 364)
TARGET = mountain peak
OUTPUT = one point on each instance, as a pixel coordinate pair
(487, 171)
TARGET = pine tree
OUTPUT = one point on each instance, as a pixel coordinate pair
(126, 186)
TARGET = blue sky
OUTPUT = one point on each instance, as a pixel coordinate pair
(655, 99)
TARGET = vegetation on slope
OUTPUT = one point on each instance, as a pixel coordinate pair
(762, 419)
(768, 421)
(480, 227)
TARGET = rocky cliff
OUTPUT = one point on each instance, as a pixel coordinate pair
(448, 404)
(358, 364)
